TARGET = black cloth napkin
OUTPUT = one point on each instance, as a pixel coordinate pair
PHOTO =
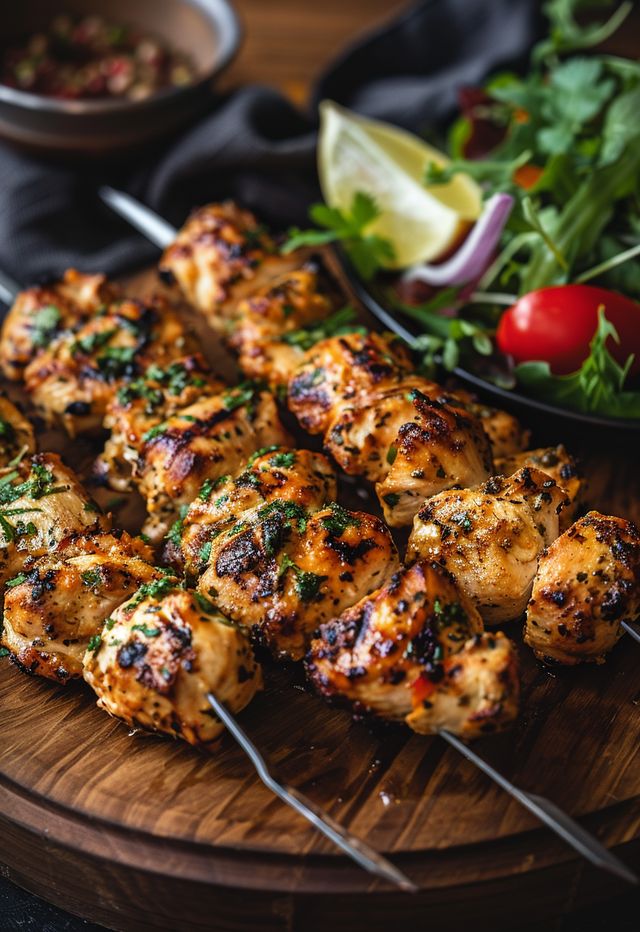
(253, 145)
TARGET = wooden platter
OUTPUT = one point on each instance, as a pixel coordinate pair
(137, 832)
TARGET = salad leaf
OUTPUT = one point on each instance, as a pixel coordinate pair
(367, 251)
(598, 385)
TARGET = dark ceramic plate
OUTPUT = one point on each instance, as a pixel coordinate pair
(531, 409)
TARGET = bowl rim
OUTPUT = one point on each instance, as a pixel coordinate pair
(222, 15)
(512, 398)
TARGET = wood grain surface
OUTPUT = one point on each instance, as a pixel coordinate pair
(139, 832)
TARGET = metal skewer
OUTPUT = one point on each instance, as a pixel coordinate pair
(635, 634)
(357, 849)
(8, 289)
(158, 231)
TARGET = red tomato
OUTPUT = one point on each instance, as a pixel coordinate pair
(556, 325)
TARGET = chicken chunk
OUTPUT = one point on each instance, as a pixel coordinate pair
(161, 653)
(16, 433)
(279, 474)
(41, 314)
(558, 463)
(41, 503)
(141, 405)
(53, 611)
(74, 380)
(206, 440)
(505, 432)
(588, 582)
(490, 538)
(342, 371)
(221, 256)
(282, 572)
(411, 445)
(414, 651)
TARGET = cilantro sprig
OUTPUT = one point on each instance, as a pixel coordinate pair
(368, 251)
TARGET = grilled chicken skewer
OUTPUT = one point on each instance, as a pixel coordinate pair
(592, 849)
(229, 270)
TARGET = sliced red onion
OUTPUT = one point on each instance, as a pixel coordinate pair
(475, 254)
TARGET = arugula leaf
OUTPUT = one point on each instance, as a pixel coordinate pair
(598, 385)
(368, 251)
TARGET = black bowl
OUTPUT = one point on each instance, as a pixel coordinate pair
(546, 419)
(207, 30)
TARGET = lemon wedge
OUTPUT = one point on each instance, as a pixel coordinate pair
(358, 154)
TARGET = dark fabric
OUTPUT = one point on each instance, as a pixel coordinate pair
(253, 145)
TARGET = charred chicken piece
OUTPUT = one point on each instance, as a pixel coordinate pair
(74, 380)
(412, 445)
(588, 582)
(414, 651)
(277, 474)
(282, 572)
(490, 538)
(41, 503)
(505, 432)
(161, 653)
(558, 463)
(41, 314)
(206, 440)
(16, 433)
(274, 326)
(56, 609)
(344, 370)
(221, 256)
(141, 405)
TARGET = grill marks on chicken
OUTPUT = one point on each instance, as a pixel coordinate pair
(415, 651)
(490, 538)
(58, 605)
(206, 440)
(277, 474)
(161, 653)
(271, 555)
(588, 582)
(221, 256)
(140, 406)
(40, 315)
(73, 381)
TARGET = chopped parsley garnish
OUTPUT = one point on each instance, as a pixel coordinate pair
(290, 511)
(204, 604)
(205, 552)
(307, 584)
(262, 452)
(392, 452)
(154, 432)
(156, 589)
(91, 342)
(283, 460)
(94, 643)
(16, 581)
(339, 520)
(92, 578)
(45, 324)
(116, 362)
(209, 485)
(242, 395)
(146, 630)
(333, 326)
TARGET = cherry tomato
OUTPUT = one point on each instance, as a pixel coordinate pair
(556, 325)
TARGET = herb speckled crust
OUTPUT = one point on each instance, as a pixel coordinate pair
(588, 582)
(282, 572)
(206, 440)
(62, 600)
(160, 655)
(41, 314)
(414, 651)
(490, 538)
(73, 380)
(560, 465)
